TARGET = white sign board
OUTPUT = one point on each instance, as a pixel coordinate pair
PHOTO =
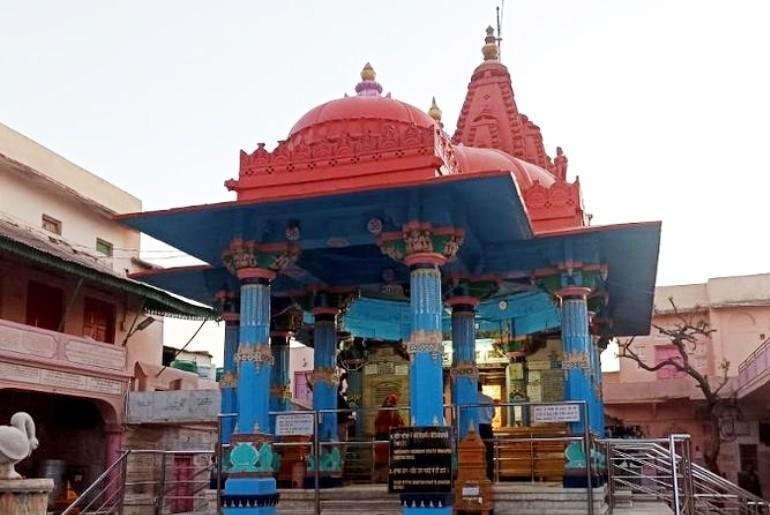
(294, 424)
(173, 407)
(557, 413)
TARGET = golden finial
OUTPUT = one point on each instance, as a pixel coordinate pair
(490, 49)
(434, 111)
(368, 72)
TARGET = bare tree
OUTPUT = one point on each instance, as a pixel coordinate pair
(685, 335)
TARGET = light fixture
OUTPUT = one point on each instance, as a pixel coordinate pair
(144, 324)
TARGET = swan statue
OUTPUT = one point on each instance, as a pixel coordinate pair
(17, 442)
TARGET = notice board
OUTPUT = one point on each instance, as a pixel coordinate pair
(420, 459)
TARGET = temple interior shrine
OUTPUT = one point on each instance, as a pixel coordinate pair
(418, 265)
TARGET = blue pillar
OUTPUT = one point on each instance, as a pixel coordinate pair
(423, 248)
(577, 361)
(280, 382)
(250, 488)
(255, 358)
(325, 384)
(229, 375)
(426, 384)
(465, 374)
(325, 371)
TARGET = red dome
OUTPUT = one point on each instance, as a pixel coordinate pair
(472, 159)
(363, 107)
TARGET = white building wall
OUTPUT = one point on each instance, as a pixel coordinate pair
(35, 181)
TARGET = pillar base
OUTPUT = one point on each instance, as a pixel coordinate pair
(250, 496)
(252, 455)
(330, 470)
(577, 479)
(427, 503)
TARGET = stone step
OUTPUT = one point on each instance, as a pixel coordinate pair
(549, 511)
(519, 498)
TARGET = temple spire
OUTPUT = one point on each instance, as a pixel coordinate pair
(368, 87)
(490, 49)
(368, 73)
(434, 111)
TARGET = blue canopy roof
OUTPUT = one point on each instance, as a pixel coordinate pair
(339, 250)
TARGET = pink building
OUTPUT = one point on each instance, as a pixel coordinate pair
(667, 401)
(76, 334)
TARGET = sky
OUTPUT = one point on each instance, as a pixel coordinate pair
(661, 106)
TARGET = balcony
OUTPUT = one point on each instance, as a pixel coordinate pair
(650, 391)
(754, 372)
(45, 360)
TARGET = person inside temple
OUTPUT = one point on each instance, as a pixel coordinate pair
(486, 414)
(387, 418)
(345, 416)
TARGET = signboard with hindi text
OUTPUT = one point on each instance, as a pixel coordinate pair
(556, 413)
(420, 459)
(294, 424)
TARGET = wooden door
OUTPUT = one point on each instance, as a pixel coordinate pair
(182, 489)
(99, 320)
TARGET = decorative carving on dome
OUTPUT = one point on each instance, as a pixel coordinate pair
(353, 141)
(556, 207)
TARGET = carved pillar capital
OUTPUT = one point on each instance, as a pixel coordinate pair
(422, 243)
(252, 260)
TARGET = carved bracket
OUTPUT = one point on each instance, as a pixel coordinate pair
(421, 239)
(273, 257)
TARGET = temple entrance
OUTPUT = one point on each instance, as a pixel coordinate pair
(71, 432)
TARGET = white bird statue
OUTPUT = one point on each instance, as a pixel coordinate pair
(17, 442)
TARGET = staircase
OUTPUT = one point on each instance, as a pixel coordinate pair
(640, 474)
(661, 470)
(369, 499)
(151, 482)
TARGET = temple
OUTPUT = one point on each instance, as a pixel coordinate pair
(421, 263)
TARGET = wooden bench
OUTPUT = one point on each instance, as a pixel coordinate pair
(535, 460)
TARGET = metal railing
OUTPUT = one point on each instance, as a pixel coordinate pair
(162, 482)
(315, 446)
(105, 495)
(661, 469)
(150, 481)
(756, 364)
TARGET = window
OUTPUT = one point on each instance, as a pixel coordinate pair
(663, 353)
(45, 306)
(99, 320)
(748, 455)
(302, 389)
(103, 247)
(51, 224)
